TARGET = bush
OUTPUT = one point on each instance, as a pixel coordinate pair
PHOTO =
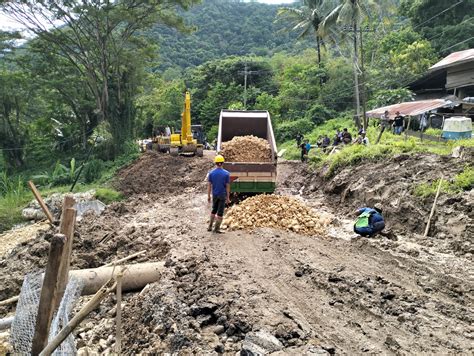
(93, 170)
(465, 179)
(108, 195)
(461, 182)
(288, 130)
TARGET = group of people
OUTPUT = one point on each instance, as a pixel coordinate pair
(397, 124)
(369, 221)
(343, 137)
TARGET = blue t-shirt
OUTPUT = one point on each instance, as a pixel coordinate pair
(219, 178)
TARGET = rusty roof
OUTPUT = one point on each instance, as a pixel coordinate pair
(411, 107)
(454, 59)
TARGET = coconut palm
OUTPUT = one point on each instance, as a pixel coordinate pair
(347, 17)
(307, 19)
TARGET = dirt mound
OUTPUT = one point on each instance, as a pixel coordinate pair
(247, 149)
(391, 182)
(155, 173)
(276, 211)
(117, 233)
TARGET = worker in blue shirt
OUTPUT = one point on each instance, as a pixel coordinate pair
(370, 221)
(219, 184)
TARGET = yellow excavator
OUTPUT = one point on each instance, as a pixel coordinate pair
(184, 142)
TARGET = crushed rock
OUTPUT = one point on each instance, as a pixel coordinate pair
(247, 149)
(276, 211)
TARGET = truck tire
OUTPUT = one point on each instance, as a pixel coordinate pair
(174, 151)
(199, 152)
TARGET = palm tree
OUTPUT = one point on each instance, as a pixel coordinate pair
(307, 19)
(347, 17)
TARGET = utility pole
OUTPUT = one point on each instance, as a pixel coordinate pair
(246, 73)
(355, 31)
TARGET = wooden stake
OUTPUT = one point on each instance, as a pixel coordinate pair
(37, 195)
(118, 317)
(48, 294)
(66, 227)
(124, 259)
(80, 316)
(433, 208)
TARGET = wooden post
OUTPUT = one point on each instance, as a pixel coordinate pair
(118, 317)
(41, 202)
(433, 208)
(76, 320)
(408, 127)
(66, 227)
(48, 294)
(382, 129)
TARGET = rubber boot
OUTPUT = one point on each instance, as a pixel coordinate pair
(211, 222)
(217, 228)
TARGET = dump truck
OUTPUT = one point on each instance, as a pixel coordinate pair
(249, 177)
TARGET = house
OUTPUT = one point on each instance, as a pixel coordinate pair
(446, 90)
(453, 75)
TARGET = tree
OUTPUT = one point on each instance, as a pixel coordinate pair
(448, 25)
(100, 39)
(350, 14)
(307, 19)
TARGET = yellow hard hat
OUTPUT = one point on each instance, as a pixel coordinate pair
(219, 159)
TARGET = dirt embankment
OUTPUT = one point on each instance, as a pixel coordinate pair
(157, 174)
(391, 182)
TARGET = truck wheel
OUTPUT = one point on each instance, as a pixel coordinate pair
(174, 151)
(199, 152)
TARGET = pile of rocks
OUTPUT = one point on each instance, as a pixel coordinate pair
(246, 149)
(275, 211)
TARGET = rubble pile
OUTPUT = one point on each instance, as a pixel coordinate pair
(247, 149)
(275, 211)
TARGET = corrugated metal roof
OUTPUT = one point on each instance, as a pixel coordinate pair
(411, 107)
(454, 58)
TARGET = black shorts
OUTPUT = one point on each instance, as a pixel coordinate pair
(218, 205)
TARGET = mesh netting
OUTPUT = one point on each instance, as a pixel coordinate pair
(23, 326)
(71, 295)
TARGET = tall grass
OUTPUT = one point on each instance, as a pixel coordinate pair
(13, 196)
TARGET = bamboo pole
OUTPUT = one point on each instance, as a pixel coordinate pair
(118, 317)
(48, 294)
(80, 316)
(9, 300)
(125, 259)
(433, 208)
(37, 195)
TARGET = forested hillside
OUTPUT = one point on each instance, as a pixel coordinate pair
(223, 28)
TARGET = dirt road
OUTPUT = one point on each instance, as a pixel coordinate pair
(269, 290)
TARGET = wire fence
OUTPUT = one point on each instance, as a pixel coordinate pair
(23, 326)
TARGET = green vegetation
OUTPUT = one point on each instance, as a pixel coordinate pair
(461, 182)
(108, 195)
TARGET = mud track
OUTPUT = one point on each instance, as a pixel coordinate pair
(315, 294)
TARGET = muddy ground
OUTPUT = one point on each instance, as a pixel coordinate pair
(277, 292)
